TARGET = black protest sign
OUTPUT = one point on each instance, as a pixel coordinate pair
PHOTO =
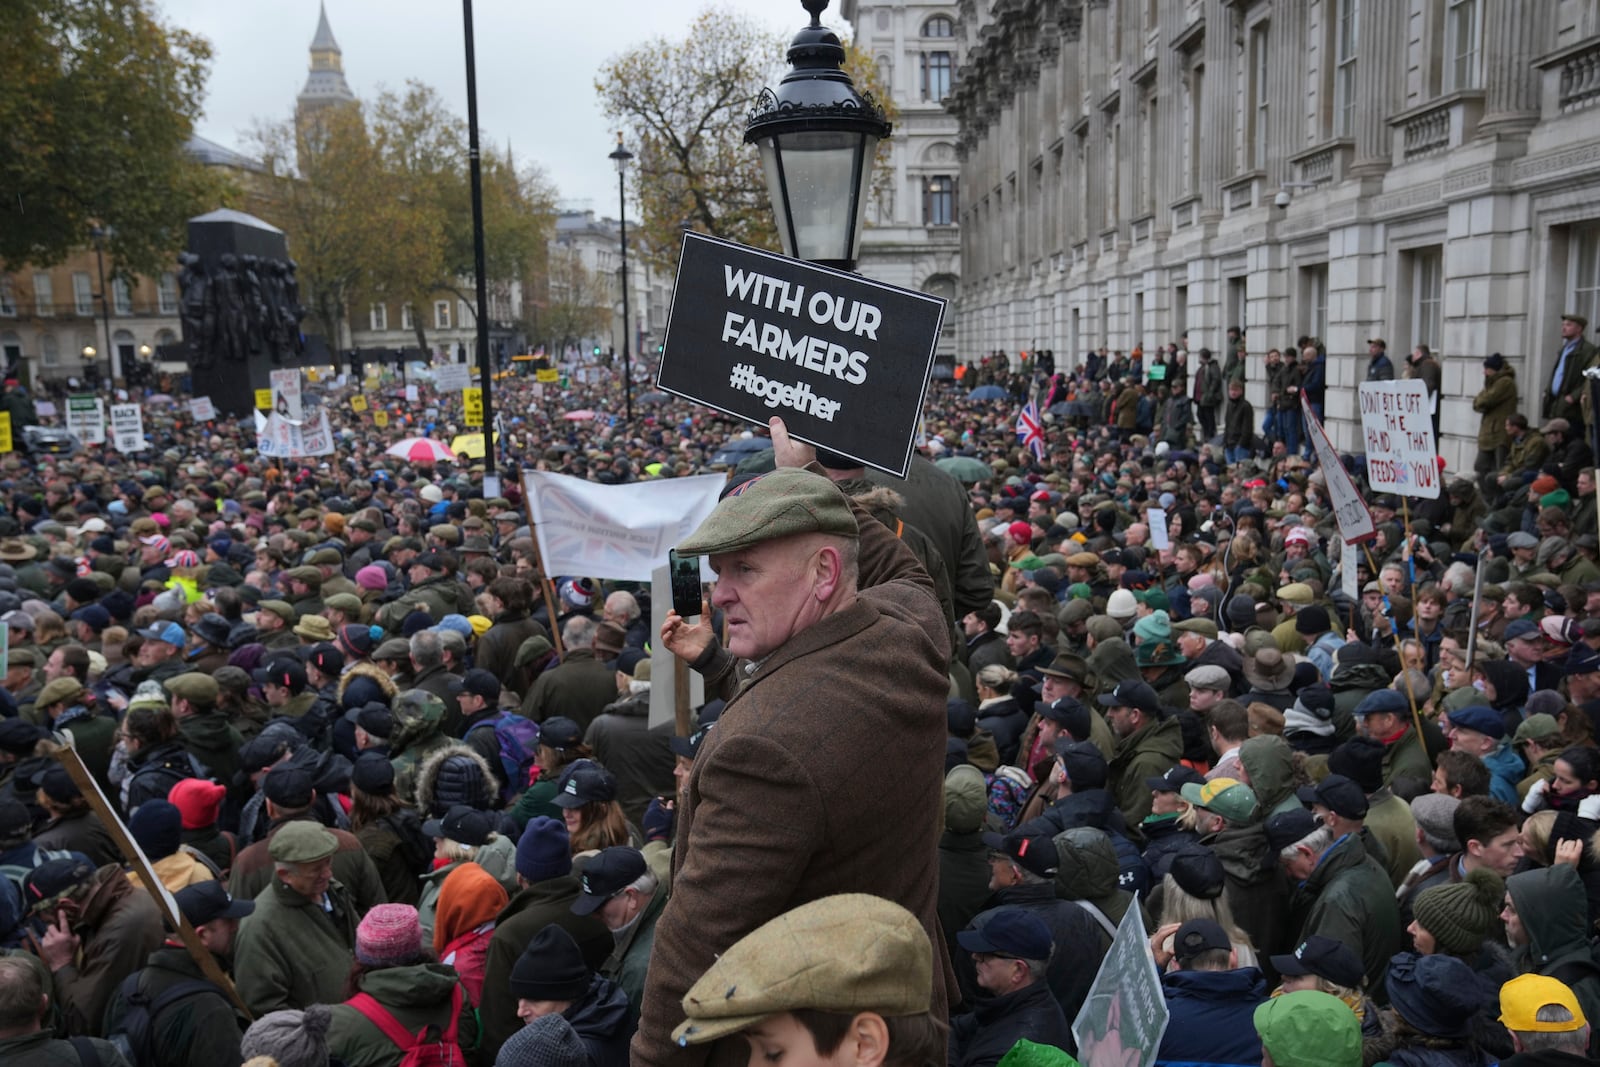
(842, 359)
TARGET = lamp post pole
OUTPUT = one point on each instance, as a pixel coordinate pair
(99, 235)
(485, 373)
(621, 157)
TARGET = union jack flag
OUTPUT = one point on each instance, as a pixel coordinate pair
(1031, 430)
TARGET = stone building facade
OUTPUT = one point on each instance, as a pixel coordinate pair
(912, 238)
(1418, 170)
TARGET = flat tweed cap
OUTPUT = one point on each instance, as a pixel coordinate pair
(846, 954)
(781, 503)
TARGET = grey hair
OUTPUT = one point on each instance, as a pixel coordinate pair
(624, 603)
(1317, 841)
(1574, 1041)
(646, 884)
(426, 649)
(579, 631)
(1458, 578)
(22, 982)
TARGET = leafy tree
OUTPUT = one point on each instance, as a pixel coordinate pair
(97, 100)
(685, 104)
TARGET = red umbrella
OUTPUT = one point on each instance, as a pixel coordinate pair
(420, 450)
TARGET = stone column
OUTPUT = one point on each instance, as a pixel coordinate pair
(1217, 158)
(1514, 34)
(1380, 46)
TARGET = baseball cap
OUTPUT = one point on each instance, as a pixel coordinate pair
(478, 682)
(1011, 932)
(560, 732)
(1133, 694)
(605, 875)
(204, 902)
(1228, 797)
(1175, 779)
(1036, 852)
(687, 747)
(170, 632)
(467, 825)
(1084, 763)
(1325, 958)
(283, 672)
(1290, 827)
(586, 783)
(1197, 936)
(1523, 996)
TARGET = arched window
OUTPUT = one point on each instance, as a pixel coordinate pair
(939, 26)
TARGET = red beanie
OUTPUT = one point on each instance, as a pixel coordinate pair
(1020, 532)
(1545, 483)
(198, 801)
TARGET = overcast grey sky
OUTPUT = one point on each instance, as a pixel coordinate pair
(536, 61)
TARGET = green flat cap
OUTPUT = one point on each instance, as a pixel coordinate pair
(446, 532)
(1539, 727)
(1204, 627)
(22, 657)
(309, 575)
(281, 608)
(363, 524)
(193, 685)
(846, 954)
(302, 841)
(58, 690)
(348, 603)
(780, 503)
(393, 648)
(329, 556)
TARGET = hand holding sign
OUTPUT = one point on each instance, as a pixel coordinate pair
(786, 451)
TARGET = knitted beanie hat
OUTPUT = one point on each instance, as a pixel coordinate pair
(292, 1038)
(544, 850)
(158, 827)
(372, 577)
(550, 968)
(199, 801)
(1461, 914)
(389, 936)
(548, 1041)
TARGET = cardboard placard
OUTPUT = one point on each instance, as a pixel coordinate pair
(127, 428)
(263, 399)
(844, 360)
(5, 432)
(358, 403)
(547, 375)
(286, 399)
(86, 419)
(1349, 509)
(1397, 425)
(1157, 521)
(380, 418)
(201, 409)
(1125, 1014)
(452, 377)
(472, 406)
(412, 395)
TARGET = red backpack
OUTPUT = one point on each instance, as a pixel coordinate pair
(441, 1051)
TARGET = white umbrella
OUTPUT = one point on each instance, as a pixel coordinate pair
(421, 450)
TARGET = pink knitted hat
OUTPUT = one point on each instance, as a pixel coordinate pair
(389, 936)
(371, 577)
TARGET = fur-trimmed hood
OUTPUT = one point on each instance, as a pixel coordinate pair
(455, 774)
(373, 673)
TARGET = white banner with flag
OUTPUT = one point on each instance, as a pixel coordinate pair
(278, 438)
(615, 531)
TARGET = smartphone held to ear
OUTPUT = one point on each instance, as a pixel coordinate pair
(686, 592)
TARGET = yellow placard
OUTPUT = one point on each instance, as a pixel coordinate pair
(264, 399)
(5, 431)
(472, 401)
(380, 418)
(547, 375)
(311, 374)
(358, 403)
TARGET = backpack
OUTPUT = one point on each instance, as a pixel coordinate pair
(416, 848)
(518, 739)
(418, 1049)
(135, 1034)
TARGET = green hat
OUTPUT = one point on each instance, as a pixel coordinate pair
(1539, 727)
(329, 556)
(1204, 627)
(781, 503)
(1556, 498)
(1156, 626)
(195, 686)
(1228, 797)
(395, 648)
(446, 532)
(281, 608)
(302, 841)
(532, 649)
(308, 575)
(58, 690)
(363, 524)
(1154, 598)
(348, 603)
(1309, 1029)
(22, 657)
(1158, 654)
(843, 954)
(1460, 914)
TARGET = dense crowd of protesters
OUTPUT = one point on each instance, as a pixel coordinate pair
(405, 788)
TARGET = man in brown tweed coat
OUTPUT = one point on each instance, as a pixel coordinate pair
(825, 772)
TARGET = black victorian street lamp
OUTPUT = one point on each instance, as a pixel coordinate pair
(99, 234)
(621, 157)
(818, 137)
